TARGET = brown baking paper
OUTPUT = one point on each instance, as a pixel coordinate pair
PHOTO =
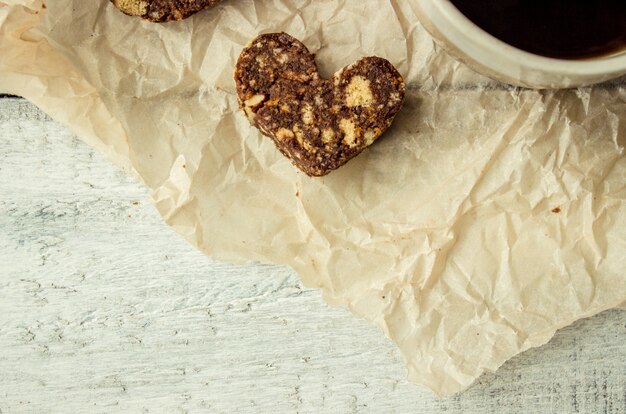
(484, 220)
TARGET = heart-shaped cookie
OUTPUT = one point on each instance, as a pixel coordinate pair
(320, 124)
(162, 10)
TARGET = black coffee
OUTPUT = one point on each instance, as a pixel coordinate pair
(566, 29)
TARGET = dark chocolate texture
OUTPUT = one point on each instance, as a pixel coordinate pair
(319, 124)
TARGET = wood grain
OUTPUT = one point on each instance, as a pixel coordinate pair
(103, 308)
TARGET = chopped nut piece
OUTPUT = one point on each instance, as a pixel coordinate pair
(254, 101)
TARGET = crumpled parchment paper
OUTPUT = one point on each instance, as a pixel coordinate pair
(484, 220)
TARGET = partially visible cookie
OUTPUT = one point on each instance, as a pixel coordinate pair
(162, 10)
(319, 124)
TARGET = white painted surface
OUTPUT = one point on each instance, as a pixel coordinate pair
(103, 308)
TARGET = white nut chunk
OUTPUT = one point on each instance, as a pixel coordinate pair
(251, 103)
(254, 101)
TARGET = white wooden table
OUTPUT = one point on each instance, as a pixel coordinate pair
(103, 308)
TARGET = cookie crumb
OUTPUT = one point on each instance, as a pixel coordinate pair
(359, 92)
(349, 130)
(285, 134)
(307, 115)
(328, 135)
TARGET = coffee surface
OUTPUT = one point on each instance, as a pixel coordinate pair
(566, 29)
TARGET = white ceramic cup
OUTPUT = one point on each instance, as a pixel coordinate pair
(490, 56)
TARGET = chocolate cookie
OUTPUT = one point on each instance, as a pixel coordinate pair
(320, 124)
(162, 10)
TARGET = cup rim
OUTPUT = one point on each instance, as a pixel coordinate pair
(463, 29)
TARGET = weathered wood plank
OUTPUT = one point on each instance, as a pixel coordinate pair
(104, 309)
